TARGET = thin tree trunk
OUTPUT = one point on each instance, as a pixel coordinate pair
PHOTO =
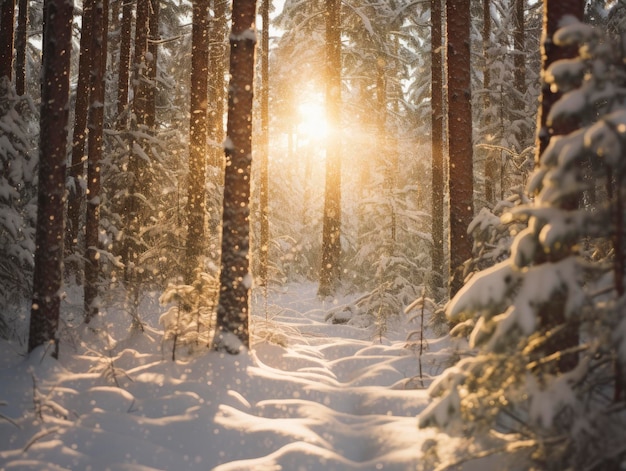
(21, 42)
(76, 172)
(48, 274)
(7, 24)
(330, 272)
(198, 128)
(519, 63)
(264, 151)
(132, 210)
(491, 158)
(437, 182)
(96, 124)
(235, 278)
(124, 63)
(461, 175)
(151, 65)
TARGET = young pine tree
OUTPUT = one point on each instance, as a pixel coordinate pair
(566, 403)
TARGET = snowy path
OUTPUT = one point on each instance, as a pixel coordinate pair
(315, 397)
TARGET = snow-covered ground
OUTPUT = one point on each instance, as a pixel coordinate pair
(309, 396)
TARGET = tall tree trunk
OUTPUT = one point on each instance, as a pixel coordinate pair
(437, 144)
(57, 47)
(7, 24)
(198, 128)
(96, 123)
(461, 175)
(76, 194)
(491, 158)
(21, 42)
(124, 64)
(264, 151)
(132, 209)
(330, 272)
(151, 65)
(519, 65)
(235, 279)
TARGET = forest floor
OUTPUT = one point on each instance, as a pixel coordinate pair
(310, 395)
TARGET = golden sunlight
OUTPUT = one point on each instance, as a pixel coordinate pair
(312, 124)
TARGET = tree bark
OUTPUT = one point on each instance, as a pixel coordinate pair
(84, 87)
(7, 25)
(151, 65)
(264, 147)
(461, 175)
(198, 129)
(491, 158)
(330, 272)
(57, 47)
(96, 124)
(235, 278)
(21, 42)
(437, 144)
(124, 64)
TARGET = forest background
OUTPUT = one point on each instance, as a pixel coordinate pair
(356, 203)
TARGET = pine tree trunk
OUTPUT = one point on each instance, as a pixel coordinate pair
(124, 64)
(519, 63)
(76, 195)
(21, 42)
(437, 144)
(235, 279)
(491, 158)
(7, 24)
(264, 151)
(57, 35)
(96, 124)
(151, 66)
(330, 272)
(198, 129)
(461, 175)
(132, 207)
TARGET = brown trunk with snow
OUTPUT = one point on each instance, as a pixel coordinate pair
(461, 175)
(235, 280)
(330, 271)
(57, 47)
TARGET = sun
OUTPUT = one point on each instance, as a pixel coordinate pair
(312, 124)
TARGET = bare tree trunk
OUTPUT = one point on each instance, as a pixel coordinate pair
(53, 139)
(264, 151)
(437, 182)
(198, 128)
(124, 63)
(20, 47)
(235, 279)
(491, 158)
(7, 24)
(76, 194)
(330, 272)
(461, 176)
(96, 124)
(519, 62)
(151, 65)
(132, 209)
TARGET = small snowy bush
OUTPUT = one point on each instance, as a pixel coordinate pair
(546, 376)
